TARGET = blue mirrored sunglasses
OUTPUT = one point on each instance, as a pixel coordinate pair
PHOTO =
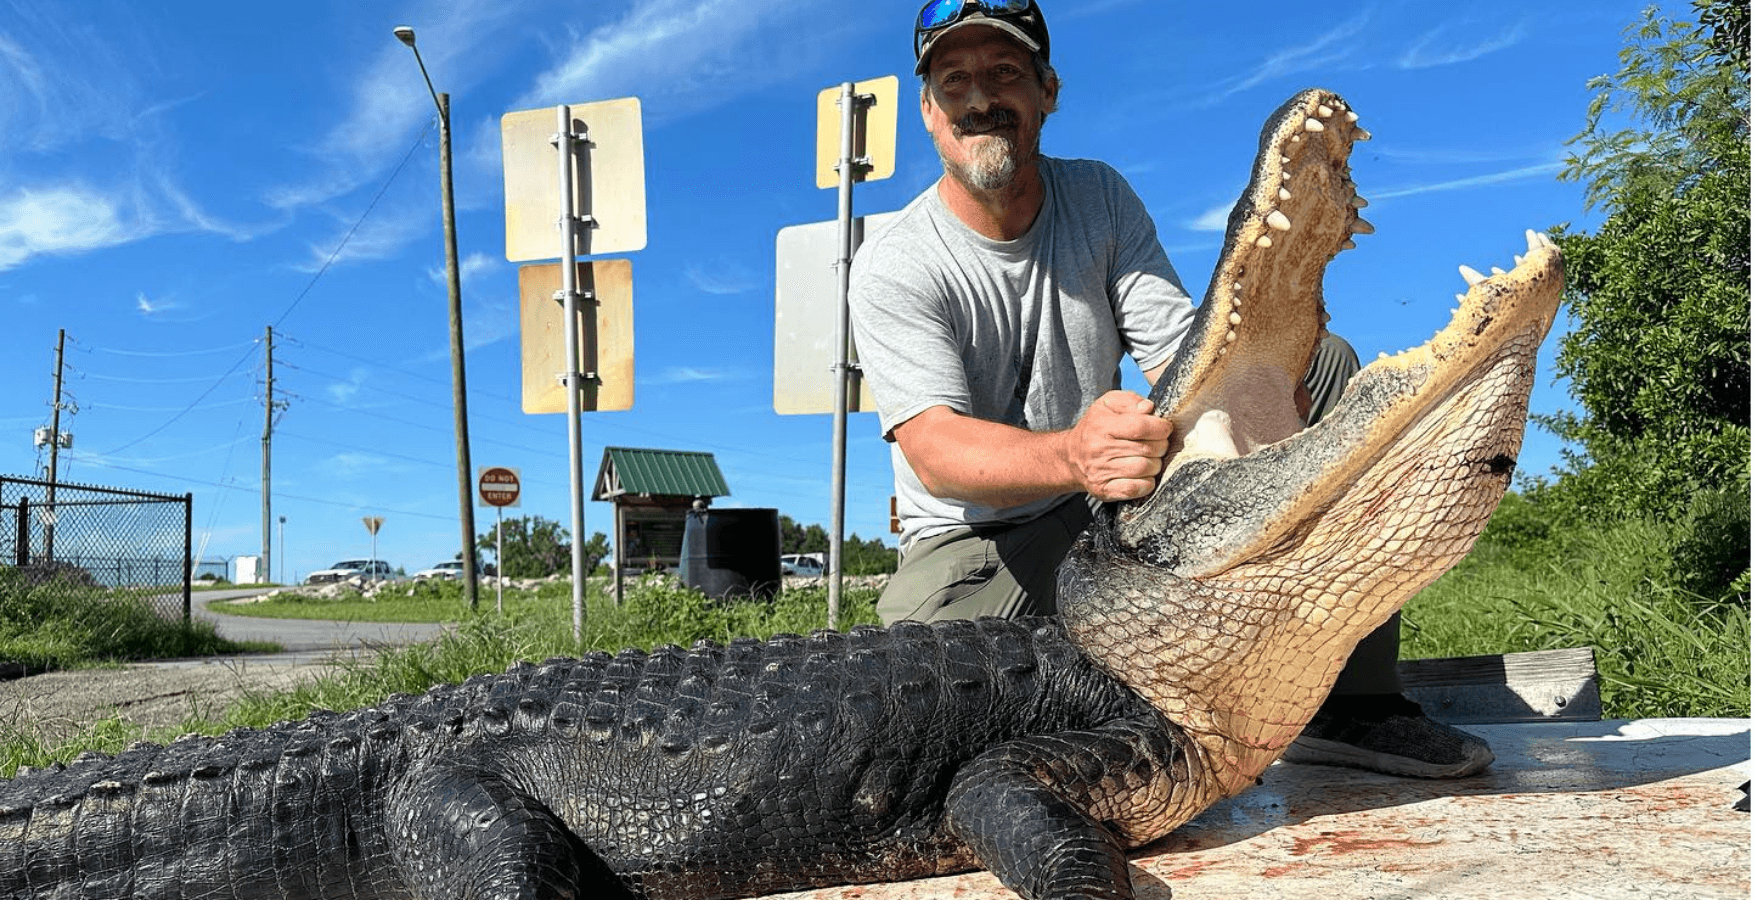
(945, 12)
(941, 13)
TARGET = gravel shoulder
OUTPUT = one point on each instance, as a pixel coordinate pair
(56, 706)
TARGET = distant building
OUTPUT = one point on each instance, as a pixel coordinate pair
(653, 491)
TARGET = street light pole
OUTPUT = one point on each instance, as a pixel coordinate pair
(459, 397)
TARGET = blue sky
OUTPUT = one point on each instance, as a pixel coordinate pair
(176, 176)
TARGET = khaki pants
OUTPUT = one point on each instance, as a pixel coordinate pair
(987, 570)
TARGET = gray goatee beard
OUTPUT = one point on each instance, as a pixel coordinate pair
(992, 165)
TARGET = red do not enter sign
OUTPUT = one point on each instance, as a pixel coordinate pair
(497, 486)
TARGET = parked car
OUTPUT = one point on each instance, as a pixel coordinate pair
(449, 570)
(374, 569)
(801, 565)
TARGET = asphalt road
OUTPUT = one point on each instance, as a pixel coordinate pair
(310, 637)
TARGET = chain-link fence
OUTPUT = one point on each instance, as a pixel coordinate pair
(84, 540)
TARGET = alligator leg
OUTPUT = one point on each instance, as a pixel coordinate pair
(459, 833)
(1052, 816)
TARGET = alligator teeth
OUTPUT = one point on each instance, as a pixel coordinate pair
(1325, 111)
(1516, 259)
(1360, 226)
(1264, 242)
(1360, 134)
(1236, 319)
(1497, 271)
(1294, 139)
(1312, 125)
(1348, 245)
(1471, 276)
(1359, 202)
(1277, 221)
(1285, 160)
(1461, 298)
(1285, 195)
(1352, 117)
(1285, 176)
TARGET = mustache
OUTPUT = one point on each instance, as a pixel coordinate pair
(983, 122)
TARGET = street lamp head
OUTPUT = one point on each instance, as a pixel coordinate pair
(404, 34)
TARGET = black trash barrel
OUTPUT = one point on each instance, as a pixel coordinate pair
(732, 552)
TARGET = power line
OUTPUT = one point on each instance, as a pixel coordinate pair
(185, 410)
(356, 225)
(104, 464)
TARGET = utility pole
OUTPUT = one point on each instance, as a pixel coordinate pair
(267, 448)
(54, 445)
(453, 279)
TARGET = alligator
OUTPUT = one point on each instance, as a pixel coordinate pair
(1201, 627)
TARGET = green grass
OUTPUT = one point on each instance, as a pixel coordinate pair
(60, 625)
(1660, 650)
(411, 601)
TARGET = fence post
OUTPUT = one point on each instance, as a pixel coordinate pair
(188, 545)
(23, 530)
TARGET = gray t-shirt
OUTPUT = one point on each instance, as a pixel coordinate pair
(1027, 332)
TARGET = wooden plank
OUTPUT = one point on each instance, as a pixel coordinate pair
(1539, 686)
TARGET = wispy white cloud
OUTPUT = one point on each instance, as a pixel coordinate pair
(1457, 43)
(1545, 170)
(683, 55)
(68, 218)
(722, 277)
(380, 235)
(391, 101)
(1331, 50)
(1213, 219)
(343, 392)
(472, 268)
(69, 84)
(358, 465)
(688, 375)
(147, 306)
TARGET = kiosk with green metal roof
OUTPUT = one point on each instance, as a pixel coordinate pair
(653, 491)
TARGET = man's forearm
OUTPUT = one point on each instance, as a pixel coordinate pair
(1114, 452)
(983, 462)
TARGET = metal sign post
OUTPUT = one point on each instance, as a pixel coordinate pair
(603, 210)
(565, 141)
(850, 167)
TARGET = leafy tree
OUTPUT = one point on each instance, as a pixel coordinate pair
(1659, 295)
(537, 548)
(858, 557)
(871, 557)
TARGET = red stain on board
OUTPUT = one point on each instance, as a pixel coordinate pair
(1337, 843)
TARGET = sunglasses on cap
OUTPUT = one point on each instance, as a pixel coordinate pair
(1020, 17)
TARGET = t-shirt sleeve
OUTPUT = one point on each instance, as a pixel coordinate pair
(910, 348)
(1152, 309)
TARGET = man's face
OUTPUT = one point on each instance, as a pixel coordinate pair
(984, 106)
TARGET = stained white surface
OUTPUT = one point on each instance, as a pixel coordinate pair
(1568, 811)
